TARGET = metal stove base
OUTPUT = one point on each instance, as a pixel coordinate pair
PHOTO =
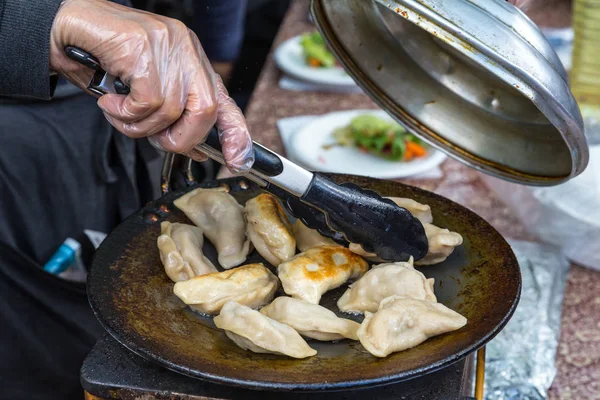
(111, 371)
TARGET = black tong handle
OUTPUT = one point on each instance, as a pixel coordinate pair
(265, 161)
(100, 76)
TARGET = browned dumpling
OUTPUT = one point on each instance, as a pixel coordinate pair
(385, 280)
(401, 323)
(252, 285)
(269, 229)
(310, 274)
(180, 247)
(221, 219)
(256, 332)
(311, 320)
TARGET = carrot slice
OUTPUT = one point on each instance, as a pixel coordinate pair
(415, 149)
(313, 62)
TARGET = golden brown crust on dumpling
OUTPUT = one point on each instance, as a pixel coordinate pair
(252, 285)
(271, 209)
(312, 273)
(269, 229)
(331, 259)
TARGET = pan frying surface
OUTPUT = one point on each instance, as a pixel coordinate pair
(133, 299)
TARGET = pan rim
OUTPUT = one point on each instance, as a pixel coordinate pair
(275, 386)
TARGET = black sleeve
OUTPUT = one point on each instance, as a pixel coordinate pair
(219, 25)
(25, 47)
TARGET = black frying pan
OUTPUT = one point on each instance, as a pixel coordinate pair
(133, 299)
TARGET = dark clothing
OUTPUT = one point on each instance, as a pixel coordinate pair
(63, 169)
(46, 331)
(219, 25)
(25, 47)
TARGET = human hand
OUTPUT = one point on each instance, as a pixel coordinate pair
(175, 96)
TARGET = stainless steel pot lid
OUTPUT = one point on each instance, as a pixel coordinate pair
(474, 78)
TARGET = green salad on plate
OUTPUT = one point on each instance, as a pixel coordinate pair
(316, 52)
(382, 138)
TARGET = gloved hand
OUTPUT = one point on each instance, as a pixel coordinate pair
(175, 96)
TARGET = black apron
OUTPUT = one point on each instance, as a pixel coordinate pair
(47, 328)
(63, 169)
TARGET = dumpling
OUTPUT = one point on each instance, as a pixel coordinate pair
(311, 320)
(441, 244)
(307, 238)
(310, 274)
(221, 219)
(383, 281)
(401, 323)
(256, 332)
(357, 249)
(420, 211)
(180, 248)
(252, 285)
(269, 229)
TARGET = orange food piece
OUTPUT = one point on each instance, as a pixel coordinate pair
(313, 62)
(414, 150)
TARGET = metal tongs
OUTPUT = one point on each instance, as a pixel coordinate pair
(342, 212)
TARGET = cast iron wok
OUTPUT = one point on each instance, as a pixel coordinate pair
(133, 299)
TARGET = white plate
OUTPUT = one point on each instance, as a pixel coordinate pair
(307, 149)
(289, 58)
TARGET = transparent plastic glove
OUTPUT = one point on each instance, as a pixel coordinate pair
(174, 95)
(233, 132)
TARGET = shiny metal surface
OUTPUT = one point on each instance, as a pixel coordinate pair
(474, 78)
(293, 178)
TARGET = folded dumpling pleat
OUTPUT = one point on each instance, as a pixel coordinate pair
(420, 211)
(442, 243)
(401, 323)
(385, 280)
(269, 229)
(180, 248)
(310, 274)
(307, 238)
(311, 320)
(221, 219)
(252, 285)
(256, 332)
